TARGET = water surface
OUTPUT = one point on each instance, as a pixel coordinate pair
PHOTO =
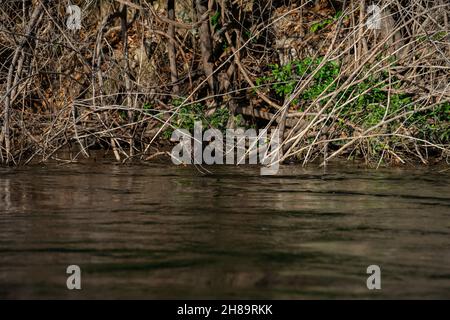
(161, 231)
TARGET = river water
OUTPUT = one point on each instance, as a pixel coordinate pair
(161, 231)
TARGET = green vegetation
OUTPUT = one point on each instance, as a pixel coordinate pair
(118, 94)
(365, 104)
(186, 116)
(375, 103)
(283, 79)
(325, 23)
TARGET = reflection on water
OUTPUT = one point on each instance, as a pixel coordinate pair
(160, 231)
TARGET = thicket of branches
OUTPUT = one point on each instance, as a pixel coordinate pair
(138, 69)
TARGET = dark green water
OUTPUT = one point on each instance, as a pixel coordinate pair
(160, 231)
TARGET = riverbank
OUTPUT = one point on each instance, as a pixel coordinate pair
(335, 82)
(67, 157)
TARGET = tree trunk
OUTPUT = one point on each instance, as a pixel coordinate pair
(206, 44)
(171, 46)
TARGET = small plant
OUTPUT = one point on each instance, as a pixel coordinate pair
(219, 119)
(433, 124)
(215, 19)
(186, 116)
(375, 103)
(283, 79)
(325, 23)
(323, 79)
